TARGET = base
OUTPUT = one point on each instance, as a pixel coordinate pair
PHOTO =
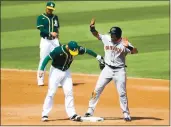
(92, 119)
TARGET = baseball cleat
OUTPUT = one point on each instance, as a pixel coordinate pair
(127, 117)
(59, 86)
(40, 83)
(45, 118)
(87, 115)
(76, 118)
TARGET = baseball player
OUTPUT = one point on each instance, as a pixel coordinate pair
(116, 48)
(48, 24)
(62, 58)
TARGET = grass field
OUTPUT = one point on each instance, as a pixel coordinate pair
(145, 23)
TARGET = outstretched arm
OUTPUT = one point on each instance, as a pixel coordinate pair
(93, 30)
(83, 50)
(129, 46)
(44, 63)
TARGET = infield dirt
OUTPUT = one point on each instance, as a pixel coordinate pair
(22, 100)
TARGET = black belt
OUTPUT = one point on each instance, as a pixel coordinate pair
(49, 38)
(113, 67)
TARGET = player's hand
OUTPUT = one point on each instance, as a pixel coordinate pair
(41, 73)
(100, 59)
(54, 34)
(125, 42)
(134, 51)
(92, 23)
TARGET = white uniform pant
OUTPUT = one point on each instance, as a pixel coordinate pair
(46, 46)
(119, 78)
(57, 76)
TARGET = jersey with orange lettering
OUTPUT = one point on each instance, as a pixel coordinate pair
(115, 53)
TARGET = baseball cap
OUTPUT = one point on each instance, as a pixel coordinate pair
(73, 48)
(50, 5)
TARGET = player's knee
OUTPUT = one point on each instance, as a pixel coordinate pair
(122, 94)
(94, 94)
(69, 94)
(51, 92)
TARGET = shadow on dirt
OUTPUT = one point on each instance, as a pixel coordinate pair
(116, 118)
(58, 119)
(79, 83)
(133, 118)
(74, 84)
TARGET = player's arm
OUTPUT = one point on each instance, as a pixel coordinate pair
(83, 50)
(129, 47)
(57, 26)
(40, 26)
(51, 56)
(45, 62)
(132, 49)
(93, 29)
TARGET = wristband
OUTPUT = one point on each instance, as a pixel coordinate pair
(130, 48)
(92, 28)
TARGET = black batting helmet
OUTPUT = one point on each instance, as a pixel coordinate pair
(116, 30)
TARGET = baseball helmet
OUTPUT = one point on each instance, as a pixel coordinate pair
(116, 31)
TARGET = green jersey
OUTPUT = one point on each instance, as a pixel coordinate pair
(47, 24)
(62, 59)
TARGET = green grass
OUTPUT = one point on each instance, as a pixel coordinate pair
(141, 66)
(145, 23)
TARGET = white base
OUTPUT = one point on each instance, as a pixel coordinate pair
(92, 119)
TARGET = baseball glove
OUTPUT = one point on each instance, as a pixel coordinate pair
(101, 65)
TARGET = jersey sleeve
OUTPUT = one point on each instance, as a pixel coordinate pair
(54, 53)
(83, 50)
(100, 36)
(58, 22)
(56, 25)
(45, 62)
(39, 22)
(104, 38)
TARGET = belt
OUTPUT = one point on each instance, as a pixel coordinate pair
(49, 38)
(113, 67)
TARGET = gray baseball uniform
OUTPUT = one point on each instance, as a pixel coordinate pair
(115, 54)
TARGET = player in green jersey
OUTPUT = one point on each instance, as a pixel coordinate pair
(62, 58)
(48, 25)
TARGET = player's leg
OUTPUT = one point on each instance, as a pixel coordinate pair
(55, 43)
(69, 99)
(54, 80)
(104, 78)
(120, 82)
(44, 51)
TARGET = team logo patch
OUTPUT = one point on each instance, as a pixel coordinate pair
(55, 23)
(74, 49)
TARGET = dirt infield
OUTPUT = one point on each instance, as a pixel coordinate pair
(22, 100)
